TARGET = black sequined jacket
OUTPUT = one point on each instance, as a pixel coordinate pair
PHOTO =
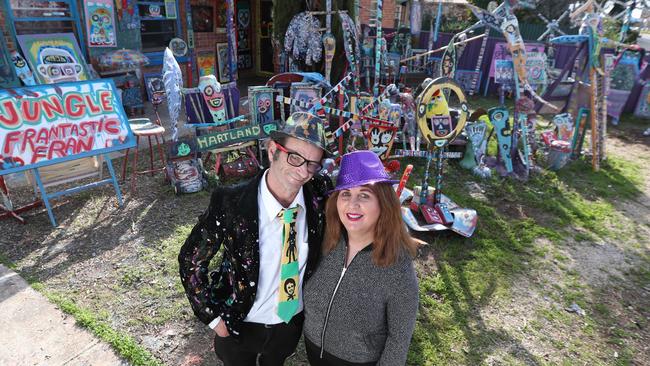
(219, 261)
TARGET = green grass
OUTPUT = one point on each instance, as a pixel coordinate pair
(125, 345)
(474, 272)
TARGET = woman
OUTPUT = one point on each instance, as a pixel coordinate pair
(361, 303)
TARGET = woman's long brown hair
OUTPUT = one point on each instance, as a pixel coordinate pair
(391, 236)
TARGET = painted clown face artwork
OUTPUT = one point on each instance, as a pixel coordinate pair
(380, 139)
(213, 96)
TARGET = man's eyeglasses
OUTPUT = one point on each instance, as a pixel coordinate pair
(297, 160)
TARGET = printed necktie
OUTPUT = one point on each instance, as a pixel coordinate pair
(289, 270)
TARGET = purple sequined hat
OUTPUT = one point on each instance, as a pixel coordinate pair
(359, 168)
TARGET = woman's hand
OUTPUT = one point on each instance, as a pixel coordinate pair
(222, 330)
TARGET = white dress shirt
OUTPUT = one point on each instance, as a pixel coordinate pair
(265, 307)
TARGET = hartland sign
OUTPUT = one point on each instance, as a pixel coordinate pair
(49, 124)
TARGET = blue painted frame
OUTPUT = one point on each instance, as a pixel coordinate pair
(74, 18)
(107, 84)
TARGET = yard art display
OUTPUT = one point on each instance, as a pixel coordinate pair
(22, 69)
(232, 40)
(430, 210)
(206, 62)
(379, 42)
(155, 85)
(48, 124)
(499, 116)
(352, 47)
(477, 133)
(55, 58)
(449, 60)
(100, 23)
(302, 40)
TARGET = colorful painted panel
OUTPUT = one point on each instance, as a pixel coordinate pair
(261, 106)
(536, 68)
(54, 58)
(380, 139)
(305, 93)
(625, 72)
(244, 56)
(468, 79)
(206, 62)
(643, 104)
(48, 124)
(504, 72)
(222, 63)
(501, 52)
(100, 23)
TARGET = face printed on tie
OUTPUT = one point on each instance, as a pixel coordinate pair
(290, 288)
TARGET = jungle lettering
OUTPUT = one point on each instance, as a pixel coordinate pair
(15, 112)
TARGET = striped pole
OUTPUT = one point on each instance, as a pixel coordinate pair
(378, 44)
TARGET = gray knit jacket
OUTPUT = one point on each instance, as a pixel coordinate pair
(373, 312)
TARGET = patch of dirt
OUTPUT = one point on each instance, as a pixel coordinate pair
(616, 327)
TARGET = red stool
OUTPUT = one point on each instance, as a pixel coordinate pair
(143, 127)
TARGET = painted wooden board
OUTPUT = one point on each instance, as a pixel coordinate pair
(54, 58)
(49, 124)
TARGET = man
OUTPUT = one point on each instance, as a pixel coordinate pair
(262, 226)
